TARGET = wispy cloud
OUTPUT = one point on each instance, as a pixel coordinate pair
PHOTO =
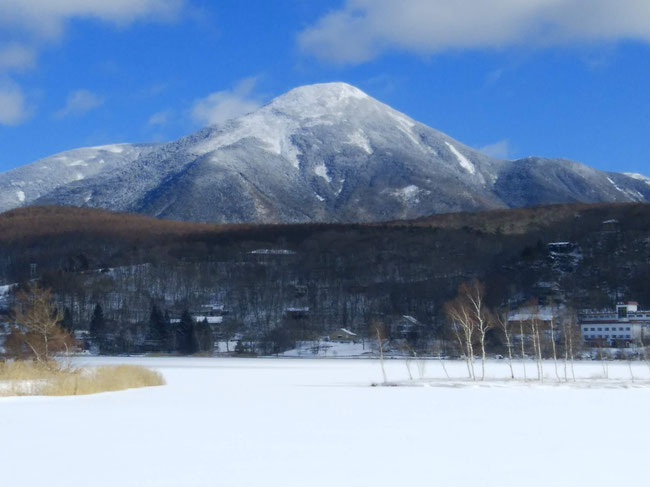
(224, 105)
(159, 118)
(47, 18)
(494, 76)
(13, 106)
(363, 29)
(79, 103)
(27, 26)
(16, 57)
(499, 150)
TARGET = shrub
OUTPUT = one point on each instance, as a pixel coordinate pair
(31, 378)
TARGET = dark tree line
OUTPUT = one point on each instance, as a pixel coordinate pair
(145, 273)
(159, 334)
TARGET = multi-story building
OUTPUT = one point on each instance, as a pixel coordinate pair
(615, 328)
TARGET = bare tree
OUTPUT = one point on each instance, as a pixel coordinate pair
(640, 342)
(436, 349)
(603, 360)
(483, 320)
(378, 330)
(37, 324)
(523, 347)
(458, 311)
(409, 353)
(568, 323)
(532, 308)
(504, 323)
(554, 348)
(468, 311)
(463, 336)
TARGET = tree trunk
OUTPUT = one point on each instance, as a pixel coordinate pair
(482, 356)
(557, 375)
(523, 348)
(573, 372)
(509, 345)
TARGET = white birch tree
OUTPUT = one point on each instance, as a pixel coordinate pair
(503, 321)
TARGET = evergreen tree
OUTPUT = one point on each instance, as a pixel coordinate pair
(186, 331)
(240, 348)
(204, 336)
(158, 332)
(98, 328)
(67, 322)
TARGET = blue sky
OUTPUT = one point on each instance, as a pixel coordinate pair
(556, 78)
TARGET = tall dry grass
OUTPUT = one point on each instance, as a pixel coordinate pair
(19, 378)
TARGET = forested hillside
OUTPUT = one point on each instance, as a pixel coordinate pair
(311, 279)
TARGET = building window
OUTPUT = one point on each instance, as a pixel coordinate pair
(600, 329)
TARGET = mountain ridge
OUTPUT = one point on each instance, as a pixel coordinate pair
(326, 152)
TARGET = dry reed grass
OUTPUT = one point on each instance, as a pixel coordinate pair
(20, 378)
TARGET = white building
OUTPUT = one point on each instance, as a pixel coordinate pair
(615, 328)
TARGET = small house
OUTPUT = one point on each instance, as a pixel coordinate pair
(343, 335)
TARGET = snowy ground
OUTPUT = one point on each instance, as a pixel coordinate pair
(324, 348)
(290, 422)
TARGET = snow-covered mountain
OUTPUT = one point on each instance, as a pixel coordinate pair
(325, 152)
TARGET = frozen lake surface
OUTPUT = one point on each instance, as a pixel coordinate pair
(291, 422)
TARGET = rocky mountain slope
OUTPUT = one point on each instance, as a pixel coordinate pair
(325, 152)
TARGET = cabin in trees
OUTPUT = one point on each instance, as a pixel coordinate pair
(406, 326)
(535, 319)
(619, 328)
(541, 315)
(213, 314)
(343, 335)
(297, 312)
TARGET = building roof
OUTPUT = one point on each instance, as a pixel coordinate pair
(272, 252)
(541, 313)
(215, 320)
(351, 333)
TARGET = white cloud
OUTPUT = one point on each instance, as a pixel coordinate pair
(13, 107)
(78, 103)
(499, 150)
(47, 18)
(159, 118)
(18, 57)
(363, 29)
(224, 105)
(27, 25)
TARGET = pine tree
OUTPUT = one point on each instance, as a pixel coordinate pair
(187, 342)
(67, 322)
(98, 328)
(158, 331)
(204, 336)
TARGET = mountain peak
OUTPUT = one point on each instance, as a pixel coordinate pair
(322, 152)
(336, 90)
(318, 97)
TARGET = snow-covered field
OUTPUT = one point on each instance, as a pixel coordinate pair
(290, 422)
